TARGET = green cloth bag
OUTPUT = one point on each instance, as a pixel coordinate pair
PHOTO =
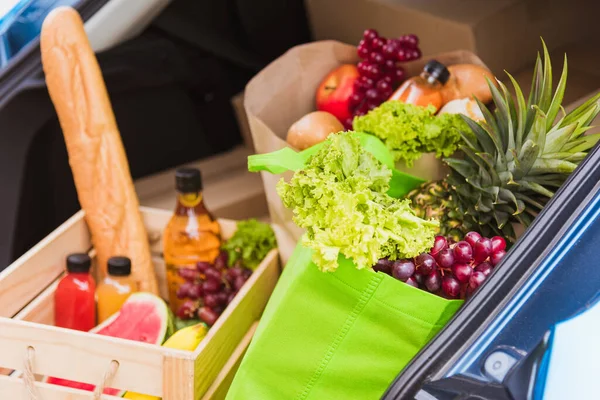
(336, 335)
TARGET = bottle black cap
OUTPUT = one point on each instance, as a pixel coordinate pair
(438, 71)
(79, 262)
(188, 180)
(119, 266)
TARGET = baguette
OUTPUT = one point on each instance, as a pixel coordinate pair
(96, 154)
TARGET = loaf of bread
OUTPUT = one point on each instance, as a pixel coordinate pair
(96, 154)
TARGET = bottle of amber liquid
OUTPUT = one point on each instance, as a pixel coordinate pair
(425, 89)
(192, 234)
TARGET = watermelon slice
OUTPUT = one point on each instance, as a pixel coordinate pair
(144, 318)
(82, 386)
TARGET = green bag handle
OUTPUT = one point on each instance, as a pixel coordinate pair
(287, 159)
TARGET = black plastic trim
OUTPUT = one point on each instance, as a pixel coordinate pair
(525, 256)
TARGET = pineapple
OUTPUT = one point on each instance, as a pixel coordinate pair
(513, 161)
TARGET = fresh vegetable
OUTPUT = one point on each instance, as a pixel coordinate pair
(250, 243)
(514, 162)
(340, 198)
(449, 269)
(312, 128)
(408, 131)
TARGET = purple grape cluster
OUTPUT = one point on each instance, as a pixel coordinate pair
(209, 288)
(380, 69)
(451, 270)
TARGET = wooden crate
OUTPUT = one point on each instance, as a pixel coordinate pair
(26, 317)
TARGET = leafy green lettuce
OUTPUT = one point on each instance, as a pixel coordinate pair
(250, 243)
(340, 199)
(409, 131)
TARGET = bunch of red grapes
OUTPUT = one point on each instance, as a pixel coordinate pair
(209, 288)
(380, 69)
(451, 270)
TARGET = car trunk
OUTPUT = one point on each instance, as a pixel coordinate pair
(171, 69)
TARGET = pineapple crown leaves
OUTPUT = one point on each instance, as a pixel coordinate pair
(520, 153)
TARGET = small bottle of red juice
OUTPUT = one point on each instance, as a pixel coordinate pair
(74, 299)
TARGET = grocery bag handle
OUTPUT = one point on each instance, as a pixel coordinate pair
(34, 393)
(286, 159)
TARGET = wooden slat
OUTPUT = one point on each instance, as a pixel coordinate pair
(14, 389)
(178, 378)
(218, 390)
(222, 339)
(84, 357)
(24, 279)
(160, 271)
(41, 309)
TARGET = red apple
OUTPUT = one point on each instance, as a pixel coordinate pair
(333, 94)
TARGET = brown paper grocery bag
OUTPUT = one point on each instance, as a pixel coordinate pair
(285, 91)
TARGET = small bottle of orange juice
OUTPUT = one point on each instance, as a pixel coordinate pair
(116, 287)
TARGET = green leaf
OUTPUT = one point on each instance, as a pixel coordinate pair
(491, 168)
(535, 93)
(575, 114)
(512, 118)
(573, 157)
(537, 188)
(509, 196)
(463, 167)
(529, 200)
(585, 119)
(501, 218)
(484, 138)
(556, 139)
(521, 112)
(546, 95)
(480, 163)
(558, 97)
(527, 156)
(542, 166)
(584, 143)
(503, 114)
(489, 118)
(538, 130)
(524, 219)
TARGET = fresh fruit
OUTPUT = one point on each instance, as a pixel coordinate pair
(463, 252)
(215, 286)
(144, 317)
(208, 315)
(403, 269)
(450, 269)
(467, 81)
(309, 130)
(333, 94)
(380, 70)
(184, 339)
(81, 386)
(514, 162)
